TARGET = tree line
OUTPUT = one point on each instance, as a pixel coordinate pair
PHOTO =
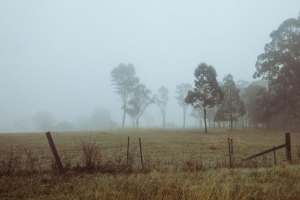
(271, 102)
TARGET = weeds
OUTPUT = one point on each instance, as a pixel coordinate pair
(176, 166)
(90, 151)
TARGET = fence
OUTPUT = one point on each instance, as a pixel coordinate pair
(135, 155)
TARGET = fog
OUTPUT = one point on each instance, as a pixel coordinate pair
(56, 57)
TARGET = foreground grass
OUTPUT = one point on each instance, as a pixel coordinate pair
(179, 164)
(280, 182)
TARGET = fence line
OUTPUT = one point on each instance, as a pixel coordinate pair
(151, 151)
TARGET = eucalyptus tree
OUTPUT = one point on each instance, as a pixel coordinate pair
(181, 91)
(207, 92)
(279, 65)
(124, 81)
(251, 96)
(139, 101)
(232, 106)
(161, 100)
(197, 114)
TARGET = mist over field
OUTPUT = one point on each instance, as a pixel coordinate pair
(56, 57)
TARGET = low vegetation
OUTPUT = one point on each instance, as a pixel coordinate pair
(177, 164)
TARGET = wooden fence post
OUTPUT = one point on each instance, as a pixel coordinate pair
(274, 156)
(127, 150)
(288, 147)
(57, 160)
(231, 148)
(141, 153)
(229, 152)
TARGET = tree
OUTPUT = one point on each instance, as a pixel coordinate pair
(43, 121)
(161, 100)
(138, 103)
(279, 65)
(124, 80)
(207, 92)
(251, 97)
(232, 106)
(182, 91)
(101, 119)
(196, 113)
(64, 126)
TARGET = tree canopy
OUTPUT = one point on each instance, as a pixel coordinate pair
(124, 80)
(161, 100)
(232, 106)
(279, 65)
(181, 91)
(207, 92)
(139, 101)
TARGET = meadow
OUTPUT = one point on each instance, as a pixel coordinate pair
(177, 164)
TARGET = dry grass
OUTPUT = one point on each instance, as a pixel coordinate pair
(178, 164)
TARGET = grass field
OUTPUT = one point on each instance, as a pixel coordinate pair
(178, 164)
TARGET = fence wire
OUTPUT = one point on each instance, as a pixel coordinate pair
(28, 155)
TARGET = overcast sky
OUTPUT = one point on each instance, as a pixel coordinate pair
(57, 55)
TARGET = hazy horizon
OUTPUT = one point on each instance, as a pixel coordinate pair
(57, 56)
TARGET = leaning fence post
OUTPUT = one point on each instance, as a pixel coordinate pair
(141, 153)
(229, 152)
(55, 154)
(288, 147)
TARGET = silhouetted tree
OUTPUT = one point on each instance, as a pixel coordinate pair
(207, 91)
(182, 91)
(138, 103)
(124, 80)
(161, 100)
(279, 65)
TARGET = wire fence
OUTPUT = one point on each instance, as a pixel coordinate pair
(29, 155)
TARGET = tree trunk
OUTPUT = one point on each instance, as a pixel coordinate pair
(205, 126)
(183, 120)
(124, 107)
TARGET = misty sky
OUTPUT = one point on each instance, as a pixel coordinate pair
(57, 55)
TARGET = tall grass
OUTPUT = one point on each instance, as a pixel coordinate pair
(182, 164)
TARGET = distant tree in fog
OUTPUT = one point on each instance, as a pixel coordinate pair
(101, 119)
(124, 80)
(22, 125)
(197, 114)
(242, 85)
(43, 121)
(232, 106)
(161, 100)
(138, 103)
(251, 97)
(182, 91)
(64, 126)
(207, 92)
